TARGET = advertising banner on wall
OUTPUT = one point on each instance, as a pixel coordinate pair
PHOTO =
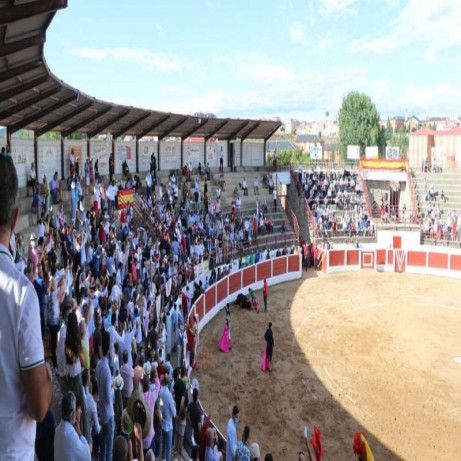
(392, 153)
(353, 152)
(371, 152)
(315, 152)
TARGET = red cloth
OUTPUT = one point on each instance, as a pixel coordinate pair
(264, 360)
(317, 444)
(265, 289)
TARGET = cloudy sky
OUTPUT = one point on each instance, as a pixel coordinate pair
(255, 58)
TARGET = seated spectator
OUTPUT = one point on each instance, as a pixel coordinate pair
(244, 187)
(69, 442)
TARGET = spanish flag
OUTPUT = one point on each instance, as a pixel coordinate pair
(124, 197)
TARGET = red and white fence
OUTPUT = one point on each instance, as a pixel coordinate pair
(430, 261)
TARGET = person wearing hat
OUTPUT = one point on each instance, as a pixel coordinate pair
(69, 442)
(26, 379)
(254, 452)
(106, 408)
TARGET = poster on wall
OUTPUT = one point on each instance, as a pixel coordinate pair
(371, 152)
(353, 152)
(315, 152)
(392, 153)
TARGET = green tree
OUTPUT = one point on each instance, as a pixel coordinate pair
(358, 123)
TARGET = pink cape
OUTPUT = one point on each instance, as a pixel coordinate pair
(224, 343)
(264, 360)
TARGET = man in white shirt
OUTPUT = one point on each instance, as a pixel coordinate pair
(25, 378)
(69, 443)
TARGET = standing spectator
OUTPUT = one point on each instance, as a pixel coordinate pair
(111, 168)
(180, 397)
(195, 413)
(265, 293)
(231, 446)
(243, 452)
(41, 290)
(274, 198)
(168, 414)
(106, 393)
(91, 398)
(221, 161)
(74, 361)
(53, 314)
(69, 442)
(31, 178)
(127, 373)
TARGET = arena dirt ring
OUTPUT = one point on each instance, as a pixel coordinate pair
(378, 352)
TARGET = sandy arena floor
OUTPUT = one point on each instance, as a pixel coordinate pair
(367, 351)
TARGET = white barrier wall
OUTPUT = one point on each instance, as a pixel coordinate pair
(22, 151)
(170, 155)
(80, 152)
(101, 150)
(125, 150)
(253, 153)
(236, 153)
(213, 153)
(145, 149)
(193, 153)
(49, 159)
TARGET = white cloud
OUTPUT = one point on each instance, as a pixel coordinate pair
(134, 55)
(90, 53)
(336, 6)
(325, 42)
(297, 32)
(425, 22)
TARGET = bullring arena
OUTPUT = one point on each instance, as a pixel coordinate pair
(361, 350)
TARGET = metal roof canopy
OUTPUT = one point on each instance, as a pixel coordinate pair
(33, 98)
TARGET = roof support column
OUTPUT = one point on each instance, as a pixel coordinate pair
(137, 155)
(112, 152)
(265, 147)
(36, 155)
(229, 158)
(204, 152)
(8, 138)
(241, 152)
(181, 150)
(158, 157)
(63, 177)
(88, 147)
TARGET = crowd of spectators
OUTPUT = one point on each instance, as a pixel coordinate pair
(335, 199)
(106, 288)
